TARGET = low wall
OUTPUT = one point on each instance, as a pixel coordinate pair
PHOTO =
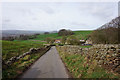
(31, 51)
(105, 55)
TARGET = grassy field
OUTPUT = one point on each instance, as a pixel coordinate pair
(79, 34)
(21, 65)
(80, 67)
(18, 47)
(15, 48)
(82, 34)
(42, 37)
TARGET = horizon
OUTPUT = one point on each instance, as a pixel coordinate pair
(43, 31)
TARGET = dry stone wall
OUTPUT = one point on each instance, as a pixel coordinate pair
(31, 51)
(105, 55)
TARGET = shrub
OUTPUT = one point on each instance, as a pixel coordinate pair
(64, 32)
(63, 40)
(73, 40)
(10, 38)
(23, 37)
(106, 36)
(46, 33)
(50, 40)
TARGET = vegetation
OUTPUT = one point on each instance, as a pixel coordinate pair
(73, 40)
(46, 33)
(106, 36)
(64, 32)
(50, 40)
(63, 40)
(9, 38)
(21, 65)
(23, 44)
(80, 67)
(82, 34)
(43, 37)
(15, 48)
(86, 46)
(78, 34)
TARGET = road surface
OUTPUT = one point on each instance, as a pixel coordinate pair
(48, 66)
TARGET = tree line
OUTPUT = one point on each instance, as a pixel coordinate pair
(20, 37)
(108, 35)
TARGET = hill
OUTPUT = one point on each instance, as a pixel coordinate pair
(114, 23)
(79, 34)
(108, 33)
(6, 33)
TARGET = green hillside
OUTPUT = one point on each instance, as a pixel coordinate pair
(82, 34)
(15, 48)
(79, 34)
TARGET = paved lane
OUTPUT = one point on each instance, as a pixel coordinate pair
(48, 66)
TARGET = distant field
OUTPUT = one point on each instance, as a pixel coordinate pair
(31, 41)
(15, 48)
(42, 37)
(79, 34)
(82, 34)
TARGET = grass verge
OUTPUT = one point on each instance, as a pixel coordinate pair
(16, 48)
(80, 67)
(11, 48)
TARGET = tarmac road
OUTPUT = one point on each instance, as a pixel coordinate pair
(48, 66)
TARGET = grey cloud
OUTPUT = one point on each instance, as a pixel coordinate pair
(52, 16)
(100, 10)
(7, 20)
(47, 9)
(34, 19)
(79, 24)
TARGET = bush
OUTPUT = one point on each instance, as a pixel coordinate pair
(50, 40)
(23, 37)
(73, 40)
(10, 38)
(63, 40)
(33, 36)
(46, 33)
(106, 36)
(64, 32)
(60, 44)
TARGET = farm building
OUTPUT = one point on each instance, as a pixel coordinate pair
(57, 41)
(88, 41)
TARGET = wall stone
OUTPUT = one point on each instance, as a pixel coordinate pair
(31, 51)
(107, 55)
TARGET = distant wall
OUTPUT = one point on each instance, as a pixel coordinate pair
(107, 55)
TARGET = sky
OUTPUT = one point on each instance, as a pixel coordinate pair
(52, 16)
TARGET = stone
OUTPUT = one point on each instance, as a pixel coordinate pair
(32, 50)
(13, 59)
(9, 62)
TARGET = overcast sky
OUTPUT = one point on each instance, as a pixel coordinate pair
(49, 16)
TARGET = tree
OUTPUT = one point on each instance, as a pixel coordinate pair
(50, 40)
(106, 36)
(64, 32)
(73, 40)
(63, 40)
(23, 37)
(46, 33)
(9, 38)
